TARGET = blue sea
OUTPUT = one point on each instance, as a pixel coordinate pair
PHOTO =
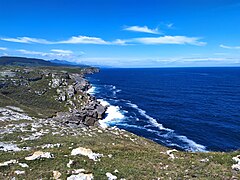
(191, 109)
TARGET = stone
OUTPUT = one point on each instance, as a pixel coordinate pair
(81, 176)
(71, 91)
(169, 152)
(110, 176)
(56, 83)
(86, 152)
(56, 175)
(100, 111)
(237, 160)
(204, 160)
(69, 163)
(77, 171)
(38, 155)
(6, 163)
(90, 121)
(18, 172)
(23, 165)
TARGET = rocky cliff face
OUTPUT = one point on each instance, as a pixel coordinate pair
(61, 90)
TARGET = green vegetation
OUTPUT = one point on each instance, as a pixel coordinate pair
(134, 157)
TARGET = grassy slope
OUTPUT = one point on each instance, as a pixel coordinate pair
(134, 157)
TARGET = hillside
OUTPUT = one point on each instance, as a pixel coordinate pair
(23, 61)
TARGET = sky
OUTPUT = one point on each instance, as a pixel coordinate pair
(123, 33)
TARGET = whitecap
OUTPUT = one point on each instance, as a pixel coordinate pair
(92, 90)
(151, 119)
(192, 146)
(113, 114)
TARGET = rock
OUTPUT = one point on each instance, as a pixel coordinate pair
(56, 175)
(110, 176)
(38, 155)
(77, 171)
(56, 83)
(23, 165)
(169, 152)
(51, 146)
(100, 111)
(62, 97)
(69, 163)
(9, 147)
(237, 160)
(8, 162)
(204, 160)
(86, 152)
(81, 176)
(71, 91)
(236, 167)
(18, 172)
(90, 121)
(116, 171)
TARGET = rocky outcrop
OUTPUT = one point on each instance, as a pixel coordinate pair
(89, 112)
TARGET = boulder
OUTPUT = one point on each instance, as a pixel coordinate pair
(110, 176)
(38, 155)
(81, 176)
(86, 152)
(90, 121)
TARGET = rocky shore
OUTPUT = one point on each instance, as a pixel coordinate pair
(89, 113)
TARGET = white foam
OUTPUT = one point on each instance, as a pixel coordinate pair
(151, 120)
(193, 146)
(113, 114)
(104, 103)
(92, 90)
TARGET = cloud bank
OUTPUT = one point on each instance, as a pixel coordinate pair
(178, 40)
(229, 47)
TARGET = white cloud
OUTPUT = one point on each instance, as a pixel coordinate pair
(229, 47)
(62, 51)
(27, 40)
(169, 40)
(119, 42)
(3, 48)
(143, 29)
(53, 54)
(99, 41)
(72, 40)
(83, 40)
(45, 54)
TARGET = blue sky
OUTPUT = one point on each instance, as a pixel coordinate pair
(123, 33)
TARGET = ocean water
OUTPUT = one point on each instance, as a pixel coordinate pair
(192, 109)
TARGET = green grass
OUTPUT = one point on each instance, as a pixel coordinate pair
(142, 159)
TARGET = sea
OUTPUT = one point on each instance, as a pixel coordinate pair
(189, 109)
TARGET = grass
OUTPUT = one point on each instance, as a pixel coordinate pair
(141, 159)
